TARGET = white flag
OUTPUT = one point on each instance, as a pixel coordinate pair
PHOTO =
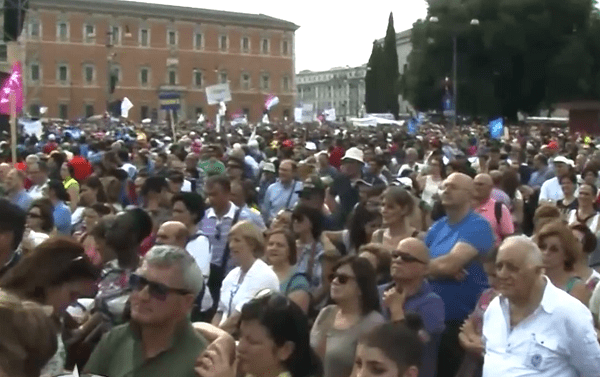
(126, 105)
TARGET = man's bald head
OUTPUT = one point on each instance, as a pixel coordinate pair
(457, 191)
(173, 233)
(414, 247)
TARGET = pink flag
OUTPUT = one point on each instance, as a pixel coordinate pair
(13, 84)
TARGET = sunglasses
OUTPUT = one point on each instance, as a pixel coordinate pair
(157, 290)
(406, 257)
(218, 232)
(341, 278)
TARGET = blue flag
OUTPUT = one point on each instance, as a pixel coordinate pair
(496, 128)
(412, 126)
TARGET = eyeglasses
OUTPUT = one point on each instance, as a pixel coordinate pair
(157, 290)
(406, 257)
(341, 278)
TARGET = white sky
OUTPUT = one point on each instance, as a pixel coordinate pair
(332, 33)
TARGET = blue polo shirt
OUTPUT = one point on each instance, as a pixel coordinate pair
(460, 297)
(62, 218)
(430, 307)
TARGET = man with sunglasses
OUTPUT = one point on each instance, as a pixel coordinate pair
(410, 292)
(160, 339)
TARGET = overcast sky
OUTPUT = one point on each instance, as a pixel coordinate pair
(332, 33)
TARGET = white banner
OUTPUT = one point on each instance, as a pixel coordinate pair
(126, 105)
(298, 114)
(308, 113)
(218, 93)
(329, 115)
(32, 127)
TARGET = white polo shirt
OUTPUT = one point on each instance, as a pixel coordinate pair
(557, 340)
(234, 294)
(551, 190)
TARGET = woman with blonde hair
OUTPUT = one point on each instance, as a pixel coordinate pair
(397, 207)
(561, 250)
(246, 243)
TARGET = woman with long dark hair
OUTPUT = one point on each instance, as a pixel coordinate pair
(356, 311)
(361, 226)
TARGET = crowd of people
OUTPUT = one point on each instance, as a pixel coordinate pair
(302, 251)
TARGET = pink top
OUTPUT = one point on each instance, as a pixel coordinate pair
(503, 229)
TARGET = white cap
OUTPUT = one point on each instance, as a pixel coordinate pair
(564, 160)
(269, 167)
(354, 154)
(310, 146)
(51, 137)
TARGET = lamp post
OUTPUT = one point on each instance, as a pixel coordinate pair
(474, 22)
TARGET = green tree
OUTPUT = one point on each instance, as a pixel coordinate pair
(382, 79)
(523, 56)
(391, 73)
(373, 94)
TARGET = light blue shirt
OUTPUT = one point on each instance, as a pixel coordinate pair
(276, 199)
(62, 218)
(23, 200)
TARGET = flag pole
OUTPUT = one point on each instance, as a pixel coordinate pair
(13, 126)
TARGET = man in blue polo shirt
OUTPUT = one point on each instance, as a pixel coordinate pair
(457, 243)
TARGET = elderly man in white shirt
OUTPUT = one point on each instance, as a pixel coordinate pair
(534, 328)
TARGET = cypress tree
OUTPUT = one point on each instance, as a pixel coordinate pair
(391, 74)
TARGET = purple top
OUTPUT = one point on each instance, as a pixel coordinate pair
(430, 307)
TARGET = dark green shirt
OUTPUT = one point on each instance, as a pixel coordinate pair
(120, 354)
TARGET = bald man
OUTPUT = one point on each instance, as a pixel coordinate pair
(492, 210)
(534, 328)
(410, 292)
(172, 233)
(457, 243)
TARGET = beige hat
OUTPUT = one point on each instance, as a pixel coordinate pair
(354, 154)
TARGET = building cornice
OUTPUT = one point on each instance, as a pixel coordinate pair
(139, 9)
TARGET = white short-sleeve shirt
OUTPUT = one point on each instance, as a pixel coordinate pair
(557, 340)
(234, 294)
(199, 248)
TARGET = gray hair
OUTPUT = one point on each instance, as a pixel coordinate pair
(167, 256)
(534, 254)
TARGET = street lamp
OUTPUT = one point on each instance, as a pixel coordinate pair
(474, 22)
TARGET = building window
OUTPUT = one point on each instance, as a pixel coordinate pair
(265, 82)
(285, 84)
(89, 111)
(116, 73)
(198, 79)
(62, 30)
(3, 52)
(88, 74)
(172, 38)
(63, 111)
(144, 76)
(172, 76)
(245, 81)
(34, 110)
(144, 112)
(34, 72)
(89, 33)
(264, 46)
(115, 35)
(199, 111)
(199, 41)
(285, 48)
(245, 44)
(223, 43)
(34, 29)
(144, 37)
(63, 73)
(223, 78)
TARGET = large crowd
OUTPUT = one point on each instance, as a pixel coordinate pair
(301, 250)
